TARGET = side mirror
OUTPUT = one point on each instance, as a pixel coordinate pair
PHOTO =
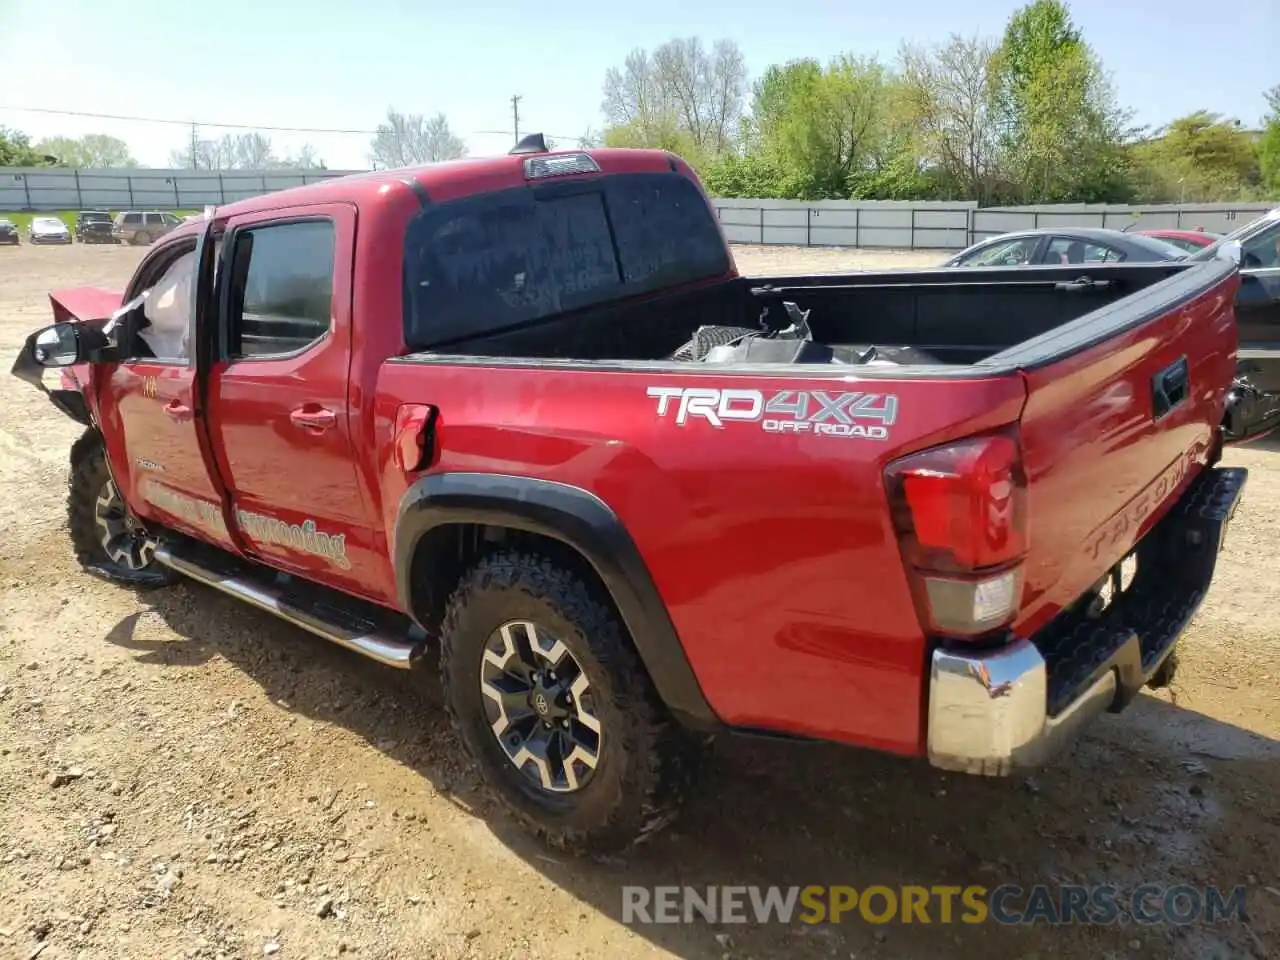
(1231, 250)
(57, 346)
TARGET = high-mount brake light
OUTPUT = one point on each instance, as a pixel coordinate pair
(960, 513)
(559, 165)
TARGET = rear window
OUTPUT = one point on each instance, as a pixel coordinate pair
(486, 263)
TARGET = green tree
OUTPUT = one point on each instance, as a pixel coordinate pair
(823, 128)
(1062, 132)
(948, 94)
(16, 150)
(1200, 157)
(1269, 146)
(93, 151)
(682, 97)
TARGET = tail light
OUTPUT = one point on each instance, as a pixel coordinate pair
(960, 513)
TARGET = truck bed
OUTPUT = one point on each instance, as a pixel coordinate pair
(952, 318)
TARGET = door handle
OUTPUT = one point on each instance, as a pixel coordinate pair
(311, 416)
(177, 411)
(1169, 388)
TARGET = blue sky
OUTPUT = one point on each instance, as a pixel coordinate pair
(335, 64)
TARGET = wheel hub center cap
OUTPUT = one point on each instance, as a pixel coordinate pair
(541, 704)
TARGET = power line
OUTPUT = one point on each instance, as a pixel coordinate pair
(245, 126)
(184, 123)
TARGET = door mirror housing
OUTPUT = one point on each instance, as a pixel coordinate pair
(1231, 250)
(57, 345)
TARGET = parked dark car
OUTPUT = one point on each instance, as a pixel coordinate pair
(48, 230)
(94, 226)
(9, 233)
(1253, 407)
(1055, 245)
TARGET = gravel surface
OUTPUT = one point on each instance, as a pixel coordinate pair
(181, 776)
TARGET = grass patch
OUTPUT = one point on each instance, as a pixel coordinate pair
(23, 219)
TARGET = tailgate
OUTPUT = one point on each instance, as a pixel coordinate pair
(1114, 433)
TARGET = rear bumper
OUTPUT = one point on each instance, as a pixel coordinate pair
(991, 712)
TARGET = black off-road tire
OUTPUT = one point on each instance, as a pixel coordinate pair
(88, 481)
(646, 759)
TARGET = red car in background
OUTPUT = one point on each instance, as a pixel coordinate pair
(1189, 240)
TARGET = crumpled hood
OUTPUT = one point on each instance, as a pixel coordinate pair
(84, 303)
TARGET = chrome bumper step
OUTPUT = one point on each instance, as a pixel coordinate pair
(290, 601)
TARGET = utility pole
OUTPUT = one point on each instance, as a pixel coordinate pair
(515, 114)
(195, 141)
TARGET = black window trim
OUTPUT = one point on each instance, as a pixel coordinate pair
(227, 256)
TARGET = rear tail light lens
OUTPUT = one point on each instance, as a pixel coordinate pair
(959, 511)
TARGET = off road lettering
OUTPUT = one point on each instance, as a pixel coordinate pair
(821, 413)
(303, 537)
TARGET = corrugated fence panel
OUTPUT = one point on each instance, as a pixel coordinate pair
(950, 226)
(42, 188)
(896, 224)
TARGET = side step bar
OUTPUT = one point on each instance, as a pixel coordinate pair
(324, 620)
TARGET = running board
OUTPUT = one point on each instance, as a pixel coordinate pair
(323, 619)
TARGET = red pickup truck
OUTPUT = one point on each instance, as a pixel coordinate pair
(524, 410)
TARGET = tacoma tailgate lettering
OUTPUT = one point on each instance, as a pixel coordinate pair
(785, 411)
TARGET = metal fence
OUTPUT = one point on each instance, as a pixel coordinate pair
(898, 224)
(950, 226)
(35, 188)
(847, 223)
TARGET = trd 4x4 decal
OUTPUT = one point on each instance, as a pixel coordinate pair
(818, 412)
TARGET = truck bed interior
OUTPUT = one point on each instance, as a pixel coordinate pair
(946, 316)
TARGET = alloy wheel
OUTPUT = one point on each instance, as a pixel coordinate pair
(540, 706)
(120, 537)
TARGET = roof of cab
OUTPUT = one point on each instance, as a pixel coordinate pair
(448, 180)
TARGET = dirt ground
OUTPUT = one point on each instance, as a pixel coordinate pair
(181, 776)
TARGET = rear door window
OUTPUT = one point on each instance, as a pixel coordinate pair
(487, 263)
(1072, 250)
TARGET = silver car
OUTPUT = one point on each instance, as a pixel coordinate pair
(48, 230)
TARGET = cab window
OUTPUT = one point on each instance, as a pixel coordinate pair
(281, 291)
